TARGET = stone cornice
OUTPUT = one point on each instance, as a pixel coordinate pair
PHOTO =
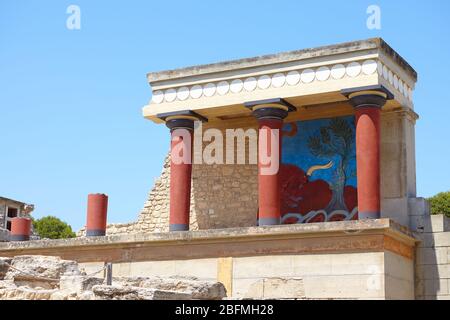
(300, 77)
(373, 43)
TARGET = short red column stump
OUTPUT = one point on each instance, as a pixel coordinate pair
(20, 229)
(97, 210)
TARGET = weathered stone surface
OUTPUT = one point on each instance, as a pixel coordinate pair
(51, 278)
(117, 292)
(277, 288)
(40, 271)
(197, 289)
(77, 283)
(4, 266)
(13, 292)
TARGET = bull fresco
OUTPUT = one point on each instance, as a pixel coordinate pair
(318, 171)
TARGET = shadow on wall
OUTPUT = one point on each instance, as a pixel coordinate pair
(433, 258)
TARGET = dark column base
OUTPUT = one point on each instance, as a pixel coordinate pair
(19, 237)
(179, 227)
(95, 233)
(268, 221)
(369, 215)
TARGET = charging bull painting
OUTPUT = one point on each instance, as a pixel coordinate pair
(318, 174)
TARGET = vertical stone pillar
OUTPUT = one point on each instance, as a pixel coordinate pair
(20, 229)
(368, 103)
(270, 115)
(181, 125)
(97, 210)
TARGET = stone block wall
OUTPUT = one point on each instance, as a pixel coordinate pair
(432, 274)
(398, 168)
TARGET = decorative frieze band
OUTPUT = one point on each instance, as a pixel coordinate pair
(280, 79)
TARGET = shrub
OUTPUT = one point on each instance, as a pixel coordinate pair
(53, 228)
(440, 203)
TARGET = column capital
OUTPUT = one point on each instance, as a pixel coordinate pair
(369, 96)
(181, 119)
(276, 108)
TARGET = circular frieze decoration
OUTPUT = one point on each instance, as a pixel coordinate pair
(157, 96)
(391, 77)
(369, 67)
(308, 75)
(400, 86)
(323, 73)
(278, 80)
(250, 84)
(406, 91)
(395, 82)
(196, 91)
(209, 89)
(183, 93)
(170, 95)
(236, 85)
(223, 87)
(386, 73)
(379, 68)
(264, 82)
(292, 78)
(338, 71)
(353, 69)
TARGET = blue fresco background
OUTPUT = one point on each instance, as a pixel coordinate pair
(295, 150)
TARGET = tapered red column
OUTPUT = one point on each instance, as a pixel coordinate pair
(368, 104)
(270, 115)
(181, 125)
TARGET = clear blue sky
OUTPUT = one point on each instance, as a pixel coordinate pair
(70, 100)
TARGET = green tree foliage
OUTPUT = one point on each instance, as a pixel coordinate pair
(52, 228)
(440, 203)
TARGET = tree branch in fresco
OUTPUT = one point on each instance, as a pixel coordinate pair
(335, 139)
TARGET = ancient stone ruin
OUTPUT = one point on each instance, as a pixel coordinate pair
(52, 278)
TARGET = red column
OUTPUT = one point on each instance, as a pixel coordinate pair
(20, 229)
(181, 125)
(270, 114)
(269, 197)
(368, 102)
(180, 179)
(96, 214)
(368, 161)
